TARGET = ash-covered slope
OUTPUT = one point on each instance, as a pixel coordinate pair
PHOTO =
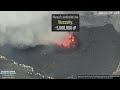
(22, 71)
(98, 54)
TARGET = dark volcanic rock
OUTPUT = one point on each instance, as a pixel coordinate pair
(98, 54)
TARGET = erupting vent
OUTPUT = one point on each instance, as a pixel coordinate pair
(69, 42)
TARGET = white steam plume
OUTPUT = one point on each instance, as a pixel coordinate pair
(27, 28)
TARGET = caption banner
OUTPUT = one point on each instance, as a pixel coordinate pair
(65, 22)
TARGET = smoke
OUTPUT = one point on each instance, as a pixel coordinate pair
(27, 28)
